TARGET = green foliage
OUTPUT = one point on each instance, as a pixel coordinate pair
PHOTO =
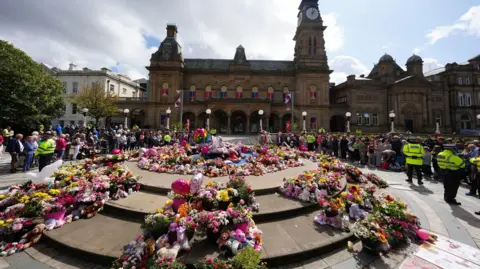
(100, 103)
(176, 126)
(30, 96)
(248, 258)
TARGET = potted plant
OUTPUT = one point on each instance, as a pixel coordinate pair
(216, 221)
(53, 210)
(156, 224)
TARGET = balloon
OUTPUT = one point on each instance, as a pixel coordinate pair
(152, 152)
(181, 186)
(115, 151)
(200, 136)
(196, 183)
(423, 234)
(205, 150)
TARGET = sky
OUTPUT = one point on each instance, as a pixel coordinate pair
(122, 34)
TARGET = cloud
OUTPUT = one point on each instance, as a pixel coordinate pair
(118, 33)
(344, 66)
(469, 23)
(430, 64)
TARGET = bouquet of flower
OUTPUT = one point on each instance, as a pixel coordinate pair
(52, 206)
(157, 223)
(376, 180)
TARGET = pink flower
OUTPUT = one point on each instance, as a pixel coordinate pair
(242, 202)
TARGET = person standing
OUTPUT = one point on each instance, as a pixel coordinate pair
(59, 129)
(413, 152)
(450, 164)
(60, 146)
(311, 142)
(29, 152)
(15, 148)
(45, 150)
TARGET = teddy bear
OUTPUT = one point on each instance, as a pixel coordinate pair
(356, 212)
(33, 236)
(182, 239)
(77, 213)
(223, 239)
(305, 195)
(150, 247)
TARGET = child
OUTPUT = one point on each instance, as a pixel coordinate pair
(371, 156)
(427, 162)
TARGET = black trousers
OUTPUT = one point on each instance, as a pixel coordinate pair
(44, 160)
(311, 147)
(475, 183)
(418, 169)
(451, 183)
(344, 154)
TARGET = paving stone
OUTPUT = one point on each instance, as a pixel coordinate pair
(141, 202)
(277, 241)
(45, 254)
(350, 263)
(31, 264)
(436, 225)
(3, 263)
(316, 263)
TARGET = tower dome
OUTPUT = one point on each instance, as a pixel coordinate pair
(386, 58)
(414, 59)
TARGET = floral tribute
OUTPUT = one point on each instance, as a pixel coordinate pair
(220, 214)
(257, 160)
(76, 191)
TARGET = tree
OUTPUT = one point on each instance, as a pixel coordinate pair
(100, 103)
(29, 96)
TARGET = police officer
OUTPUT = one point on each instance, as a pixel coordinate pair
(45, 150)
(413, 152)
(311, 142)
(450, 165)
(475, 161)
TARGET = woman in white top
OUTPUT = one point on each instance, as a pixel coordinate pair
(77, 143)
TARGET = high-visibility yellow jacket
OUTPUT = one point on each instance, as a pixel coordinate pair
(311, 139)
(413, 153)
(448, 161)
(475, 161)
(45, 147)
(167, 138)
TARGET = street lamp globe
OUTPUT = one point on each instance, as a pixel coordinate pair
(126, 111)
(85, 110)
(348, 114)
(169, 111)
(209, 111)
(260, 112)
(392, 115)
(478, 117)
(304, 113)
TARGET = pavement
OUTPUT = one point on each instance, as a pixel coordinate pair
(458, 223)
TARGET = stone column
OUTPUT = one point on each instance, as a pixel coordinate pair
(247, 131)
(229, 127)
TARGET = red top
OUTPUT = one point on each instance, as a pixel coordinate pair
(1, 139)
(61, 144)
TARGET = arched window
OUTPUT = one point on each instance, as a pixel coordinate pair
(366, 118)
(270, 93)
(374, 118)
(465, 122)
(313, 92)
(460, 80)
(239, 92)
(310, 45)
(223, 92)
(359, 118)
(255, 92)
(165, 89)
(314, 45)
(208, 92)
(468, 99)
(192, 93)
(461, 99)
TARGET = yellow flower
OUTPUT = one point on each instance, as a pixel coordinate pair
(343, 194)
(168, 202)
(54, 192)
(2, 222)
(24, 199)
(402, 204)
(2, 196)
(159, 210)
(209, 184)
(9, 220)
(323, 180)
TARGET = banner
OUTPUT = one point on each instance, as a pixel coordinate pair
(288, 98)
(288, 126)
(187, 125)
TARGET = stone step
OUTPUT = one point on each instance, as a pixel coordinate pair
(265, 184)
(272, 207)
(101, 239)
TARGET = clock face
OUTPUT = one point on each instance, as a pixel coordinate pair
(300, 17)
(312, 13)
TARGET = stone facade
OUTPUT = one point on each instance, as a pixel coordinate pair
(236, 89)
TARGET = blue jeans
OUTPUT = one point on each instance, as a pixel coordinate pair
(28, 160)
(59, 153)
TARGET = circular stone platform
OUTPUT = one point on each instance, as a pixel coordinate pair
(289, 232)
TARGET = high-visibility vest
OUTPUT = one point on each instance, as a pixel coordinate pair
(414, 153)
(167, 138)
(46, 147)
(448, 161)
(311, 139)
(475, 161)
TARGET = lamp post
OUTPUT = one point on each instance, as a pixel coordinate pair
(209, 111)
(304, 114)
(168, 118)
(125, 113)
(260, 112)
(348, 115)
(392, 119)
(85, 111)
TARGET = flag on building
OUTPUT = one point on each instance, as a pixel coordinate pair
(313, 94)
(193, 95)
(164, 92)
(288, 98)
(238, 95)
(288, 126)
(270, 95)
(254, 95)
(187, 125)
(178, 100)
(208, 94)
(223, 94)
(313, 123)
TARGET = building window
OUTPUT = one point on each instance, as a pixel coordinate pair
(478, 67)
(374, 118)
(74, 109)
(467, 81)
(460, 81)
(465, 122)
(310, 45)
(438, 119)
(239, 92)
(468, 99)
(314, 45)
(134, 94)
(64, 87)
(366, 118)
(80, 123)
(124, 90)
(461, 100)
(270, 91)
(208, 92)
(75, 87)
(192, 94)
(223, 92)
(112, 87)
(313, 92)
(255, 92)
(313, 123)
(359, 119)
